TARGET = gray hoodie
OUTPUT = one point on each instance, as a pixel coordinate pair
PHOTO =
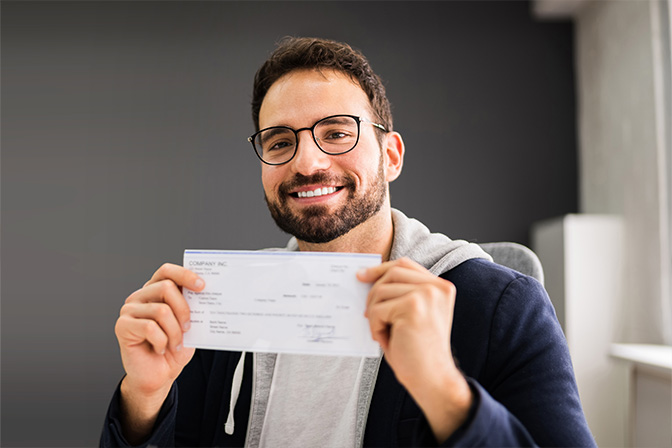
(301, 400)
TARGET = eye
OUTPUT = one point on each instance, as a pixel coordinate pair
(279, 145)
(276, 139)
(335, 135)
(338, 130)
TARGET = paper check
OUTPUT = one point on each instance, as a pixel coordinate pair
(281, 302)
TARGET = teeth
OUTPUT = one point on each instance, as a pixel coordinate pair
(316, 192)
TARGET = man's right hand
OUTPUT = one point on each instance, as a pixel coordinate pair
(149, 330)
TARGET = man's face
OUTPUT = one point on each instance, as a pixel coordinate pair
(352, 186)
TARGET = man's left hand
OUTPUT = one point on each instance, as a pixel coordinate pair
(410, 312)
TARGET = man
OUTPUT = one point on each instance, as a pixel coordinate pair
(473, 354)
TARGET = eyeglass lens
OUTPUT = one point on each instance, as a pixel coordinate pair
(334, 135)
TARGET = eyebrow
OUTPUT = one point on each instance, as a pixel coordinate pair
(272, 132)
(336, 120)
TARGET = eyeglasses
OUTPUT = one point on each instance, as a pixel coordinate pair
(336, 134)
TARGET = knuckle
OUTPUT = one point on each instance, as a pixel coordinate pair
(427, 289)
(436, 295)
(164, 268)
(416, 303)
(448, 288)
(126, 308)
(166, 287)
(131, 297)
(150, 328)
(395, 272)
(163, 311)
(123, 327)
(424, 292)
(119, 326)
(405, 261)
(162, 272)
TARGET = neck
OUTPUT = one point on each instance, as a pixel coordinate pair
(373, 236)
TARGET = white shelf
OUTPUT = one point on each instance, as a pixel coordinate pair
(659, 356)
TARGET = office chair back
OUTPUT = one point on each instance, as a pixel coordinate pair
(517, 257)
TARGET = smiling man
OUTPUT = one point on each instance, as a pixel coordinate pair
(320, 193)
(328, 153)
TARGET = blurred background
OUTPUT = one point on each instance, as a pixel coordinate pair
(124, 129)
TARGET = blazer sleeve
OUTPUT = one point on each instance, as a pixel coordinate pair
(527, 394)
(163, 433)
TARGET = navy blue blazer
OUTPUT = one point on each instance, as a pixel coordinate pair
(505, 338)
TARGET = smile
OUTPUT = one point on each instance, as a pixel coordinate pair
(316, 192)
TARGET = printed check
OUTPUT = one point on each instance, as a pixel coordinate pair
(280, 302)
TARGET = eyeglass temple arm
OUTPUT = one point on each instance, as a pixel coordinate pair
(379, 126)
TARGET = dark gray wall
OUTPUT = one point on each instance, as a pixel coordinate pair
(123, 143)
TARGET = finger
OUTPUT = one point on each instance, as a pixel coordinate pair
(374, 273)
(139, 331)
(181, 276)
(165, 291)
(404, 275)
(401, 277)
(412, 307)
(370, 275)
(381, 318)
(420, 304)
(163, 315)
(386, 291)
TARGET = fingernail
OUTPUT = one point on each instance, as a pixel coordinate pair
(178, 348)
(186, 326)
(362, 272)
(198, 284)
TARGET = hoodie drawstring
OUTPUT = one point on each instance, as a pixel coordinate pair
(235, 391)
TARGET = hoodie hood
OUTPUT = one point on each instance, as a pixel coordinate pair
(435, 251)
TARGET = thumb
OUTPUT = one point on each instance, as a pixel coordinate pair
(370, 275)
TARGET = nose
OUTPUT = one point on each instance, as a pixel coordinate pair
(309, 158)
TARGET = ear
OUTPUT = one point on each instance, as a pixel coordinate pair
(393, 150)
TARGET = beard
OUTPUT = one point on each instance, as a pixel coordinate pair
(315, 224)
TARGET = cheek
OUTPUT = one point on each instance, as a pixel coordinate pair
(268, 179)
(362, 162)
(368, 168)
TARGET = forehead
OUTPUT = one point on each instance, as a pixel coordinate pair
(301, 97)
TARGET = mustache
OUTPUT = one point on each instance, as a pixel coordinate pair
(299, 180)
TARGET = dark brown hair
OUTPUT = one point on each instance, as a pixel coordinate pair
(294, 53)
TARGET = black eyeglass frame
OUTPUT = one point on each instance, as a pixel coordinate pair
(312, 133)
